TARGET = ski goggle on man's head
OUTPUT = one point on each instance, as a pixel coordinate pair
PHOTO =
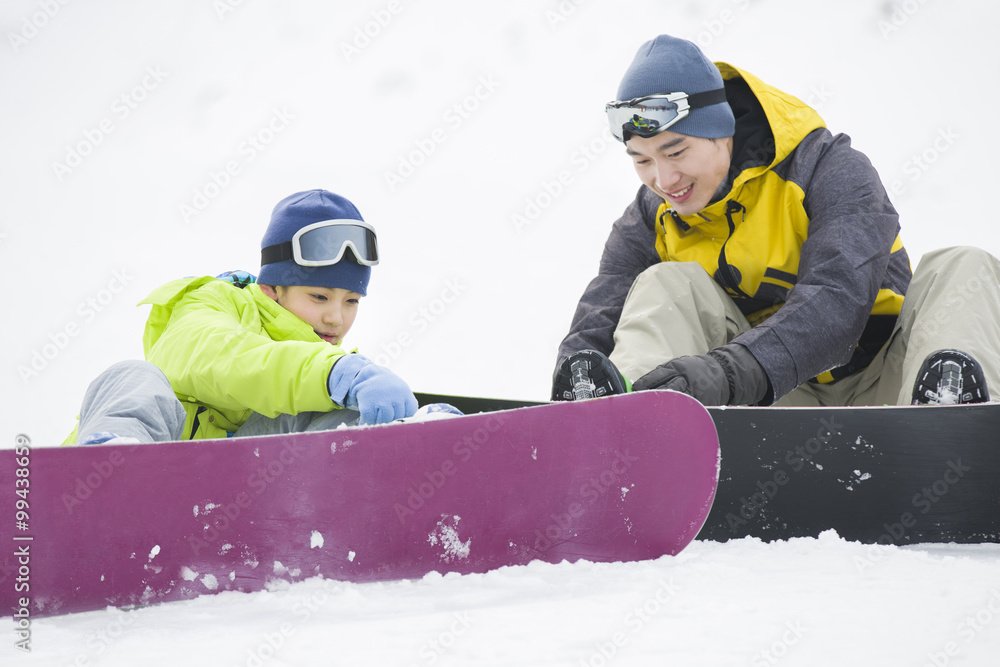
(648, 116)
(325, 243)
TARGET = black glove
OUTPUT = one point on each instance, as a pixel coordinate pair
(728, 375)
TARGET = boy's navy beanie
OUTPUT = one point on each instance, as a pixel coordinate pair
(671, 65)
(292, 214)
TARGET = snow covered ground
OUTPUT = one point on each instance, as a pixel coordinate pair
(812, 602)
(145, 141)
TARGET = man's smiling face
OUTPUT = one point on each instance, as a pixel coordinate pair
(685, 171)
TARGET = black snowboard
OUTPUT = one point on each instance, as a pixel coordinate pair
(889, 475)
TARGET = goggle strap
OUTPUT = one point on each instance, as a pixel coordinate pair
(276, 253)
(707, 98)
(283, 251)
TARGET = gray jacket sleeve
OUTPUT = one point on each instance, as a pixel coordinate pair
(629, 251)
(844, 262)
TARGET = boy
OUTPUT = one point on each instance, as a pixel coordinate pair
(242, 358)
(761, 260)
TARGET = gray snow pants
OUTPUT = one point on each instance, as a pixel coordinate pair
(134, 399)
(676, 309)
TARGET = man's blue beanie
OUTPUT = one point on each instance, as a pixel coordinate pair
(292, 214)
(671, 65)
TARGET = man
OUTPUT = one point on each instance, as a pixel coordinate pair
(761, 261)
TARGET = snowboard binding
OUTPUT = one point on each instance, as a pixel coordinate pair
(949, 377)
(588, 374)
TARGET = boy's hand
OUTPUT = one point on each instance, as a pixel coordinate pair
(376, 392)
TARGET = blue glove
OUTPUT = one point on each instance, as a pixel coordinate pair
(376, 392)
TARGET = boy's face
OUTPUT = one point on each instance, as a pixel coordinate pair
(685, 171)
(330, 311)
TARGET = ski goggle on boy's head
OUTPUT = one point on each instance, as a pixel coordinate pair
(648, 116)
(324, 243)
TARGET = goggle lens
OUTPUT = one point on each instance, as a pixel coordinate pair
(644, 117)
(326, 245)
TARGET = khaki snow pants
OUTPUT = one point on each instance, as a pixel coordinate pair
(675, 309)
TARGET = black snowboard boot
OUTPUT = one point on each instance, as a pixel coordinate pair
(948, 377)
(588, 374)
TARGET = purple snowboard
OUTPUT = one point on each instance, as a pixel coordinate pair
(622, 478)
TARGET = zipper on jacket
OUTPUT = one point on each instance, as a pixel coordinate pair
(727, 275)
(677, 220)
(196, 422)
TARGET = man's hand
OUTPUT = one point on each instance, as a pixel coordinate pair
(728, 375)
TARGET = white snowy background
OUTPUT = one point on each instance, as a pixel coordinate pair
(148, 141)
